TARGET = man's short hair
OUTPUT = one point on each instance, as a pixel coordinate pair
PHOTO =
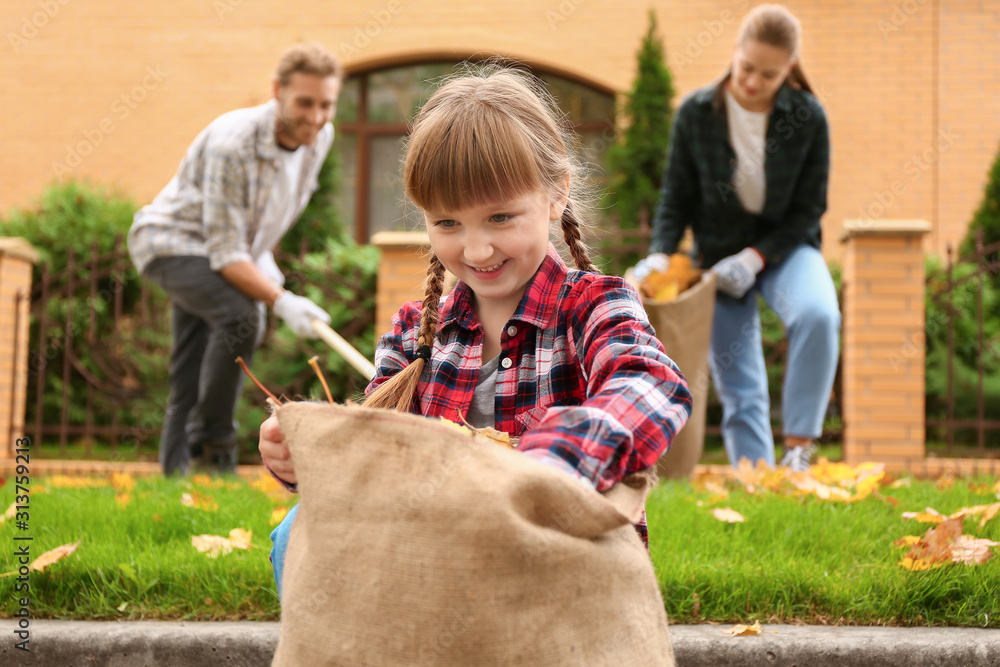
(309, 59)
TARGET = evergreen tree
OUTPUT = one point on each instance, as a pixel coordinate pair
(636, 164)
(987, 218)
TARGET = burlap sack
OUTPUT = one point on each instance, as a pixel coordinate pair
(684, 326)
(416, 544)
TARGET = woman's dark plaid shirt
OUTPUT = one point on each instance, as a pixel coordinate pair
(698, 190)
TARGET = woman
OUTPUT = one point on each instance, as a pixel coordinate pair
(747, 169)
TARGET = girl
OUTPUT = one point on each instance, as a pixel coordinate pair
(747, 170)
(564, 359)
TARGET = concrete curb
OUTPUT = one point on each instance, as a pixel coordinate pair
(161, 644)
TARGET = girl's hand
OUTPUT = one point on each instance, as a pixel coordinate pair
(275, 452)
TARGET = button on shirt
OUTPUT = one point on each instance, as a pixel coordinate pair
(583, 380)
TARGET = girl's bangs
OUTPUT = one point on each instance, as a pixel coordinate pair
(471, 160)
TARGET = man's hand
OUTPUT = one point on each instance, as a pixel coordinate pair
(657, 262)
(737, 273)
(299, 312)
(275, 452)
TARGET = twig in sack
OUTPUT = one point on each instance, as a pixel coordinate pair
(322, 380)
(250, 375)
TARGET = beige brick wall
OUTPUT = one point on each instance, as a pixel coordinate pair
(115, 91)
(401, 272)
(16, 261)
(883, 342)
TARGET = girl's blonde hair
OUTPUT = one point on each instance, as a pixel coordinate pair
(491, 134)
(775, 26)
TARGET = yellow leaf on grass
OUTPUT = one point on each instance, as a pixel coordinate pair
(199, 502)
(67, 482)
(123, 499)
(809, 486)
(727, 515)
(9, 514)
(122, 481)
(907, 541)
(271, 487)
(917, 565)
(746, 630)
(902, 483)
(868, 484)
(987, 512)
(214, 546)
(278, 514)
(929, 515)
(50, 557)
(207, 480)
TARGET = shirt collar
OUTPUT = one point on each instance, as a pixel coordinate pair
(715, 94)
(267, 141)
(537, 307)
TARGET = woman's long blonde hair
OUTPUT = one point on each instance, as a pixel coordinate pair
(775, 26)
(491, 134)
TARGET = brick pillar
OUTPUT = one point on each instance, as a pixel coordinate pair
(16, 260)
(883, 357)
(401, 272)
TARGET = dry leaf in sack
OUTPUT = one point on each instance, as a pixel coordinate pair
(668, 285)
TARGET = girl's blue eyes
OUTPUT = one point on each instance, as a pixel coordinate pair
(498, 218)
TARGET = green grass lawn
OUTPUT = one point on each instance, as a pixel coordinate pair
(793, 560)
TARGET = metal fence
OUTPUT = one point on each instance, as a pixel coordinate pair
(959, 314)
(99, 355)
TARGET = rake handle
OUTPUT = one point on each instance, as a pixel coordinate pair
(344, 349)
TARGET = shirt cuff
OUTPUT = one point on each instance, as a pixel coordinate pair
(546, 457)
(294, 488)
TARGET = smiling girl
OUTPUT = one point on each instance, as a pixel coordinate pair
(563, 359)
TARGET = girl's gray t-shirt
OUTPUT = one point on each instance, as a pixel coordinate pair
(480, 413)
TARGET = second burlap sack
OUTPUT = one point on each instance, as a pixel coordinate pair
(417, 544)
(684, 326)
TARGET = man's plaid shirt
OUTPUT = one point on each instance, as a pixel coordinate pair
(697, 188)
(583, 380)
(214, 205)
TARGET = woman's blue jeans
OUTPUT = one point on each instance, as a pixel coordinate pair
(801, 292)
(279, 540)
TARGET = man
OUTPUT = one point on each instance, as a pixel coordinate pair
(207, 239)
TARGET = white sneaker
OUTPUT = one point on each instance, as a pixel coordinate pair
(797, 458)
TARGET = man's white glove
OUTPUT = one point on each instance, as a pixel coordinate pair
(270, 269)
(657, 262)
(298, 313)
(737, 273)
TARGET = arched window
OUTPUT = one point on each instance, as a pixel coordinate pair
(372, 115)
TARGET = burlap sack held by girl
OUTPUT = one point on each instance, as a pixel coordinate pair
(417, 544)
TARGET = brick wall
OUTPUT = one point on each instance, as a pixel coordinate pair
(16, 261)
(883, 342)
(115, 91)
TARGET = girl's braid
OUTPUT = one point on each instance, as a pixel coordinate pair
(571, 233)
